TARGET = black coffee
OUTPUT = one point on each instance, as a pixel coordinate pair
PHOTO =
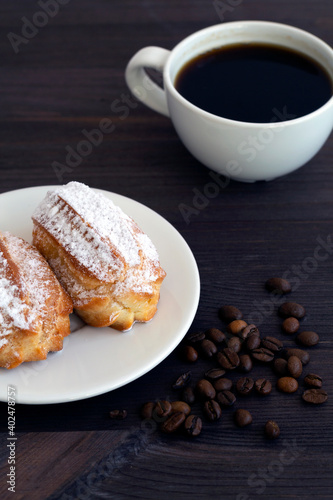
(255, 83)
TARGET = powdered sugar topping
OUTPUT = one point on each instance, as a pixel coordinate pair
(22, 297)
(91, 228)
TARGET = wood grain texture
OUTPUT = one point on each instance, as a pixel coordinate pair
(65, 80)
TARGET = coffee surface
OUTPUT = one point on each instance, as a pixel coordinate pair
(254, 83)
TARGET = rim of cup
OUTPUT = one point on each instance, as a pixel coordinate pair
(288, 29)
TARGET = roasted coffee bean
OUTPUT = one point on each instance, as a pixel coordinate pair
(180, 406)
(161, 409)
(173, 422)
(304, 356)
(272, 343)
(287, 384)
(272, 430)
(290, 325)
(294, 366)
(228, 359)
(262, 354)
(195, 337)
(244, 385)
(182, 380)
(280, 367)
(307, 338)
(226, 398)
(248, 330)
(212, 410)
(208, 348)
(278, 285)
(235, 327)
(190, 354)
(118, 414)
(147, 409)
(205, 389)
(252, 342)
(222, 384)
(313, 380)
(235, 343)
(230, 313)
(245, 363)
(188, 395)
(214, 374)
(315, 396)
(193, 425)
(292, 309)
(242, 417)
(263, 386)
(215, 335)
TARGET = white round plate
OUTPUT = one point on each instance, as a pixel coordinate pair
(97, 360)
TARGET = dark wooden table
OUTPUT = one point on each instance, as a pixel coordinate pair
(67, 75)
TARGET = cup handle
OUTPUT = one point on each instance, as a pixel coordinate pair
(139, 82)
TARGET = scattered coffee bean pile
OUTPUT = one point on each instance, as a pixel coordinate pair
(239, 348)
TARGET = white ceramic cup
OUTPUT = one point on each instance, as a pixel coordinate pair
(240, 150)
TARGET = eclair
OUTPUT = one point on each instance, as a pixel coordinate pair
(34, 308)
(105, 262)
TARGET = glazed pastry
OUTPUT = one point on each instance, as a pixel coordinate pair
(34, 309)
(107, 265)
